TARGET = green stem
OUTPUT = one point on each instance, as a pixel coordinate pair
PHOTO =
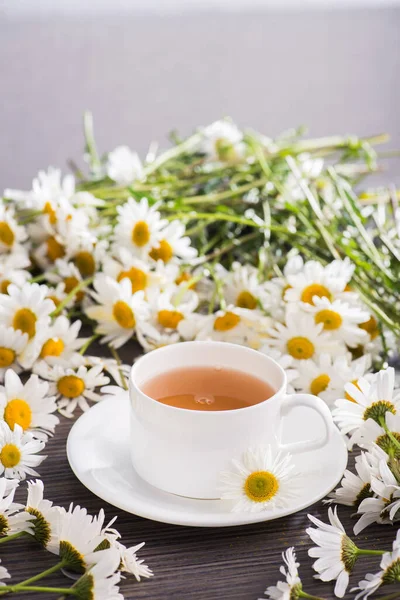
(38, 278)
(390, 435)
(213, 198)
(361, 552)
(34, 588)
(188, 144)
(394, 596)
(90, 143)
(88, 343)
(13, 536)
(81, 285)
(334, 141)
(117, 358)
(309, 596)
(43, 574)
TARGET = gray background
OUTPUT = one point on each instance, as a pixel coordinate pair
(144, 74)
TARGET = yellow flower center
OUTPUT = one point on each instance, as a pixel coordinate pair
(315, 289)
(4, 286)
(49, 210)
(25, 320)
(183, 277)
(53, 347)
(123, 314)
(85, 263)
(7, 236)
(70, 283)
(54, 249)
(246, 300)
(7, 357)
(10, 456)
(18, 412)
(261, 486)
(331, 319)
(169, 318)
(300, 348)
(71, 386)
(319, 384)
(164, 252)
(55, 300)
(140, 234)
(226, 322)
(371, 326)
(137, 277)
(347, 396)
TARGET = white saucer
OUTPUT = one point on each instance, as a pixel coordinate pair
(98, 452)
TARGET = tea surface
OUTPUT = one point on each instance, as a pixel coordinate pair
(207, 389)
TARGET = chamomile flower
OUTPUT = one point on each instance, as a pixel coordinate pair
(151, 338)
(47, 518)
(100, 582)
(172, 244)
(69, 275)
(12, 235)
(124, 166)
(73, 387)
(57, 294)
(46, 187)
(117, 311)
(138, 227)
(289, 589)
(366, 401)
(301, 338)
(262, 480)
(354, 488)
(86, 253)
(241, 285)
(12, 345)
(61, 340)
(129, 562)
(13, 270)
(389, 573)
(118, 371)
(340, 319)
(26, 309)
(171, 306)
(18, 452)
(336, 553)
(315, 280)
(13, 519)
(222, 140)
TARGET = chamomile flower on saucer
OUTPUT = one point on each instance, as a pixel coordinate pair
(26, 309)
(289, 589)
(172, 244)
(12, 235)
(222, 140)
(100, 582)
(138, 226)
(13, 518)
(335, 552)
(73, 387)
(301, 338)
(340, 319)
(241, 286)
(28, 405)
(117, 311)
(368, 400)
(47, 518)
(124, 166)
(13, 270)
(315, 280)
(262, 480)
(12, 345)
(18, 452)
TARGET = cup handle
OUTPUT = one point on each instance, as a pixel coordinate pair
(317, 405)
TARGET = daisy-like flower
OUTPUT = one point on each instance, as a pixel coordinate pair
(46, 526)
(222, 140)
(69, 275)
(18, 452)
(138, 227)
(172, 244)
(336, 553)
(117, 311)
(124, 166)
(263, 480)
(101, 581)
(327, 375)
(46, 187)
(355, 488)
(73, 385)
(61, 340)
(286, 362)
(241, 285)
(13, 269)
(389, 573)
(171, 306)
(340, 319)
(86, 253)
(315, 280)
(13, 518)
(57, 294)
(151, 338)
(302, 338)
(367, 401)
(12, 345)
(129, 562)
(26, 309)
(119, 372)
(12, 235)
(289, 589)
(28, 405)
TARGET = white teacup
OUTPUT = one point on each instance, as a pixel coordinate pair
(183, 451)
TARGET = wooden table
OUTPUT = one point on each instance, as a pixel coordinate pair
(232, 563)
